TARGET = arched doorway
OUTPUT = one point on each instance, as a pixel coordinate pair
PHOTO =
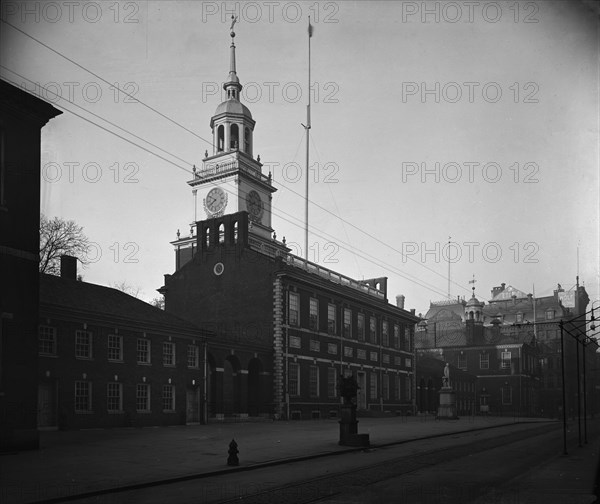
(255, 395)
(231, 385)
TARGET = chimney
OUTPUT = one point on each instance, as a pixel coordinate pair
(68, 267)
(400, 301)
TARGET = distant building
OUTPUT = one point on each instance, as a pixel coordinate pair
(286, 328)
(21, 118)
(107, 359)
(513, 346)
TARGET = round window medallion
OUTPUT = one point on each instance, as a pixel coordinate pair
(219, 268)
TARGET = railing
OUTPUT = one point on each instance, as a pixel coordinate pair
(214, 169)
(332, 276)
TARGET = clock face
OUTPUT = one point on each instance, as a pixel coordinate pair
(254, 205)
(215, 201)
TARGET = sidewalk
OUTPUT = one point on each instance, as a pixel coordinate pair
(75, 462)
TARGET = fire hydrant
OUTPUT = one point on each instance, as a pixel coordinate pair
(233, 460)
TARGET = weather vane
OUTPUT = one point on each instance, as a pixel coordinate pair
(233, 21)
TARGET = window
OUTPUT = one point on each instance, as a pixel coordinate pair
(314, 315)
(373, 384)
(373, 330)
(114, 397)
(384, 334)
(294, 378)
(168, 354)
(462, 361)
(47, 340)
(407, 339)
(168, 398)
(519, 318)
(314, 381)
(115, 347)
(386, 358)
(361, 354)
(385, 386)
(193, 356)
(143, 351)
(331, 382)
(506, 359)
(315, 346)
(408, 388)
(332, 348)
(83, 397)
(484, 361)
(398, 387)
(347, 323)
(506, 395)
(408, 362)
(360, 325)
(221, 233)
(295, 342)
(348, 351)
(83, 345)
(293, 308)
(549, 314)
(374, 356)
(331, 319)
(396, 336)
(142, 397)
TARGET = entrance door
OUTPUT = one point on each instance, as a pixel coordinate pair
(361, 395)
(47, 405)
(192, 410)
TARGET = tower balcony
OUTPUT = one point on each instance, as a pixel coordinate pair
(220, 166)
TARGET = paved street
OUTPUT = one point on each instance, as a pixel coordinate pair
(77, 462)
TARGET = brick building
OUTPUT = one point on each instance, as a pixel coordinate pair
(22, 117)
(513, 345)
(107, 359)
(286, 328)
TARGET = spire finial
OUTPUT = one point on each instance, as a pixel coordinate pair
(473, 282)
(232, 86)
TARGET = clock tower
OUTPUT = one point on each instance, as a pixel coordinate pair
(231, 178)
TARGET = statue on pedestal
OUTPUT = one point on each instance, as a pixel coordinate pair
(446, 377)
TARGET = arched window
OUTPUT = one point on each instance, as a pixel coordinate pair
(221, 233)
(234, 137)
(247, 145)
(207, 237)
(220, 138)
(235, 232)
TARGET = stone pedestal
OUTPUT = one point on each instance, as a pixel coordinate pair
(349, 427)
(447, 407)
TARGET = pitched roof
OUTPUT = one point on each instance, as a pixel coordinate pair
(105, 301)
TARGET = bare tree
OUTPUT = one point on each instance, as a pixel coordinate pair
(127, 289)
(60, 237)
(158, 302)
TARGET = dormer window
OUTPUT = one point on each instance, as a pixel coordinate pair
(519, 318)
(549, 314)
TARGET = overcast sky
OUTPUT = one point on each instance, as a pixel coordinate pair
(503, 96)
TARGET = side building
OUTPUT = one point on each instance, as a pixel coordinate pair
(22, 117)
(107, 359)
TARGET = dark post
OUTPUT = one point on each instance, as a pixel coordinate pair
(578, 392)
(584, 399)
(562, 368)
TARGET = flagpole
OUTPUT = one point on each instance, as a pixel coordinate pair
(307, 128)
